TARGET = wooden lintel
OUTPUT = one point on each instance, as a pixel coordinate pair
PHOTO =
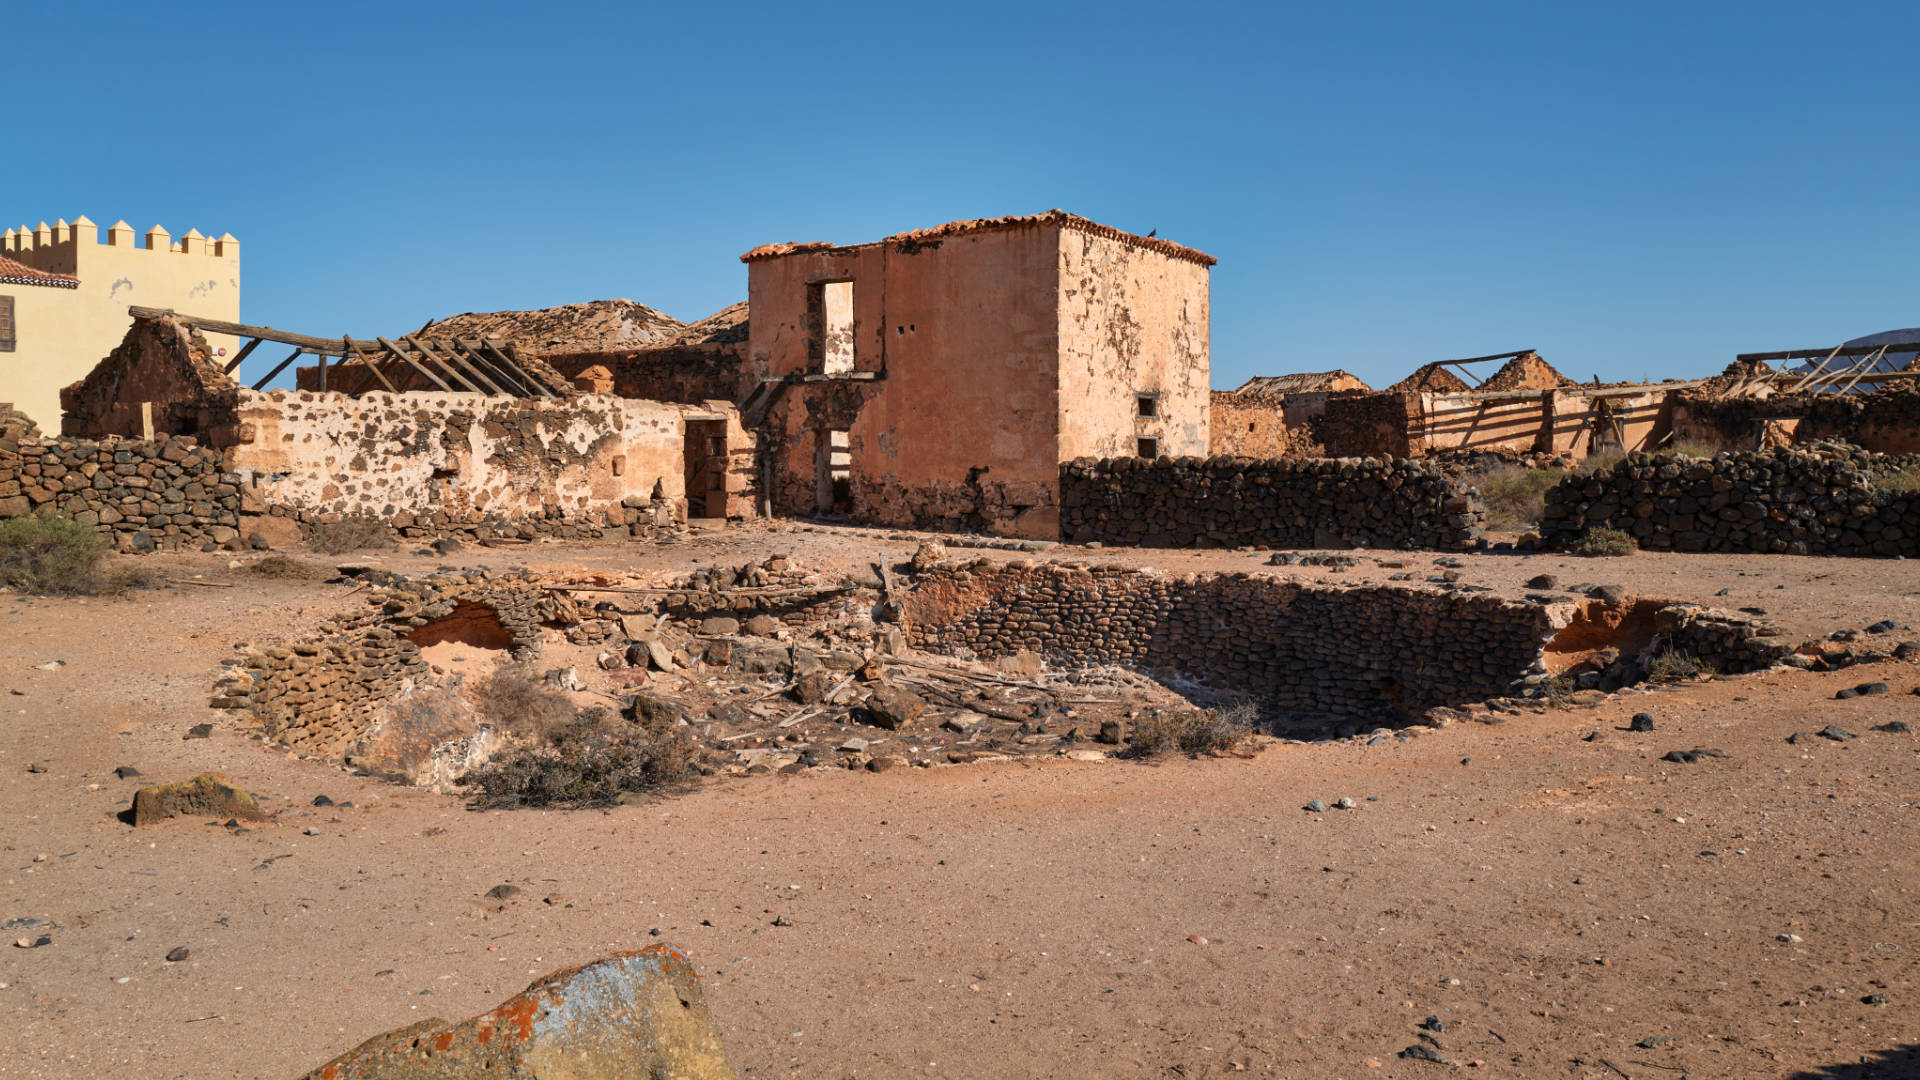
(245, 351)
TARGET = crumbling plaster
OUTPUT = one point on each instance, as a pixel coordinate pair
(383, 454)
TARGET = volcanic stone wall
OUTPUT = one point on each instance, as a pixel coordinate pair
(1234, 502)
(162, 493)
(1783, 501)
(1367, 652)
(316, 696)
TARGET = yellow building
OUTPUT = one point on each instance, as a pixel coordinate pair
(64, 293)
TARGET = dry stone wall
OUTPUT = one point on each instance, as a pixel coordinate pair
(1367, 652)
(164, 493)
(1780, 501)
(1235, 502)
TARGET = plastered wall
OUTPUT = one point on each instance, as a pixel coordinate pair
(63, 333)
(384, 454)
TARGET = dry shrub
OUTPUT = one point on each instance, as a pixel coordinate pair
(280, 566)
(1673, 665)
(1692, 448)
(1192, 731)
(1603, 542)
(1601, 461)
(51, 554)
(513, 700)
(1903, 482)
(354, 533)
(1516, 496)
(590, 761)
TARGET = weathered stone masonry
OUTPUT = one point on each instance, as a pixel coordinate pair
(1370, 652)
(1234, 502)
(1780, 501)
(149, 494)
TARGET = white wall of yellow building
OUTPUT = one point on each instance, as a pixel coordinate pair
(62, 333)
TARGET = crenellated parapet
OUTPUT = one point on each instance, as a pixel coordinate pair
(63, 247)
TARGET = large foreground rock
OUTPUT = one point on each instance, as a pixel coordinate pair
(208, 795)
(639, 1015)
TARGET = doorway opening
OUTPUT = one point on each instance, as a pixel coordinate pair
(833, 471)
(706, 468)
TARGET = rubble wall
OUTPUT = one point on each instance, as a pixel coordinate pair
(162, 379)
(1370, 425)
(1242, 426)
(1886, 421)
(684, 373)
(148, 494)
(446, 460)
(1348, 652)
(1296, 502)
(1780, 500)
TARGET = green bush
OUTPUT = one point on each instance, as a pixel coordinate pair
(1515, 496)
(1603, 542)
(52, 554)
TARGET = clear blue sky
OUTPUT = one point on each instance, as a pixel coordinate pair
(1638, 190)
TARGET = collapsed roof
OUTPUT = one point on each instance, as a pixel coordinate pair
(597, 326)
(1305, 382)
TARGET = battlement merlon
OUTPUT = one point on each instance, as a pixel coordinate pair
(60, 247)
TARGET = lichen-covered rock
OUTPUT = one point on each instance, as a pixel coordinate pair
(638, 1014)
(206, 795)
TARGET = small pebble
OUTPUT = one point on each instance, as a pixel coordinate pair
(174, 956)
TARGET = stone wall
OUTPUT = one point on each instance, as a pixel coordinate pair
(1781, 500)
(1235, 502)
(164, 493)
(1367, 652)
(1886, 421)
(162, 379)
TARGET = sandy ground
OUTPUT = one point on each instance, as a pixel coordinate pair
(1553, 902)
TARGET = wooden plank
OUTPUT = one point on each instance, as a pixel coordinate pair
(1494, 356)
(373, 371)
(323, 373)
(493, 353)
(514, 381)
(331, 346)
(1826, 354)
(245, 351)
(282, 366)
(411, 362)
(460, 380)
(455, 358)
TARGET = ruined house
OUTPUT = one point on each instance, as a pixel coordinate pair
(940, 378)
(64, 292)
(1271, 416)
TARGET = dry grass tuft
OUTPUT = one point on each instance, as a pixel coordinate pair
(280, 566)
(514, 701)
(1192, 731)
(1516, 496)
(589, 759)
(53, 555)
(1597, 543)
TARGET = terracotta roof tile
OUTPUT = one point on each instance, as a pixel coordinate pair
(978, 225)
(13, 272)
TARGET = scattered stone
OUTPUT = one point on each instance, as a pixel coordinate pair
(964, 723)
(127, 772)
(1836, 733)
(1906, 650)
(632, 1014)
(322, 800)
(176, 955)
(1653, 1041)
(854, 746)
(1586, 697)
(1432, 1023)
(1543, 581)
(1419, 1052)
(1871, 688)
(1790, 939)
(199, 731)
(503, 892)
(1196, 939)
(1874, 999)
(1884, 626)
(36, 767)
(884, 762)
(719, 626)
(762, 625)
(1345, 803)
(1641, 722)
(1690, 757)
(1893, 727)
(1612, 594)
(207, 795)
(893, 707)
(1316, 807)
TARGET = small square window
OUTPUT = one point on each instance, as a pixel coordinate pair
(1148, 448)
(1148, 404)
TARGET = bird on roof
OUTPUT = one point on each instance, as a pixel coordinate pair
(1153, 232)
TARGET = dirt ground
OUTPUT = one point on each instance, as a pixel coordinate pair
(1562, 907)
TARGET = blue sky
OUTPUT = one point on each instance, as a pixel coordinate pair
(1637, 190)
